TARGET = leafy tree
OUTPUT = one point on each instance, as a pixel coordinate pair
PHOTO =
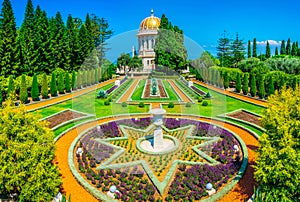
(44, 89)
(238, 83)
(226, 80)
(30, 148)
(282, 48)
(61, 84)
(245, 83)
(261, 89)
(23, 90)
(249, 49)
(35, 89)
(253, 85)
(68, 82)
(294, 82)
(123, 61)
(276, 51)
(254, 53)
(53, 86)
(238, 50)
(169, 46)
(268, 50)
(288, 47)
(278, 162)
(73, 80)
(224, 50)
(9, 49)
(1, 96)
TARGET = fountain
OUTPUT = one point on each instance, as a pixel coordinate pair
(158, 142)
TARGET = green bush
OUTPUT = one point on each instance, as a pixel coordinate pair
(68, 83)
(188, 104)
(204, 103)
(141, 105)
(106, 103)
(200, 99)
(124, 104)
(61, 84)
(171, 105)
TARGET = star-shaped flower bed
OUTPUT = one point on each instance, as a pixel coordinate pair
(115, 158)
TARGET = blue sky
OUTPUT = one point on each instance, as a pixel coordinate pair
(202, 21)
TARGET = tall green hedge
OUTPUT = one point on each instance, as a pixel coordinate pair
(53, 86)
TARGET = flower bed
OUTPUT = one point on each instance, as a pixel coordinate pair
(184, 172)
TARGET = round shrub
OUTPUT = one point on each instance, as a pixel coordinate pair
(204, 103)
(124, 104)
(171, 105)
(200, 99)
(141, 105)
(106, 102)
(188, 104)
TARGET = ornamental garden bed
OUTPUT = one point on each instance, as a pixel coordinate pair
(246, 116)
(109, 155)
(62, 117)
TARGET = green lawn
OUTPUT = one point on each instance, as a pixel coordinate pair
(138, 93)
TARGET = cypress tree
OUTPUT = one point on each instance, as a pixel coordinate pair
(268, 50)
(249, 49)
(44, 89)
(282, 48)
(271, 86)
(74, 80)
(254, 54)
(27, 39)
(23, 90)
(261, 91)
(226, 80)
(9, 49)
(72, 34)
(68, 83)
(35, 89)
(245, 83)
(288, 47)
(11, 87)
(276, 50)
(253, 85)
(53, 86)
(238, 83)
(61, 84)
(79, 80)
(294, 49)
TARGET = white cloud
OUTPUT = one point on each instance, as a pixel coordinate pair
(271, 42)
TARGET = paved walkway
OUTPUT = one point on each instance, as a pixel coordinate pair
(129, 91)
(244, 189)
(61, 98)
(231, 94)
(179, 92)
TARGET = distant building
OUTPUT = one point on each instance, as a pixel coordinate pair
(146, 40)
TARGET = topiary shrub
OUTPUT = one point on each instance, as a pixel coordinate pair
(141, 105)
(188, 104)
(23, 90)
(200, 99)
(124, 104)
(204, 103)
(35, 89)
(106, 103)
(171, 105)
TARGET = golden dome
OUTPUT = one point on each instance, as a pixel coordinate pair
(151, 22)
